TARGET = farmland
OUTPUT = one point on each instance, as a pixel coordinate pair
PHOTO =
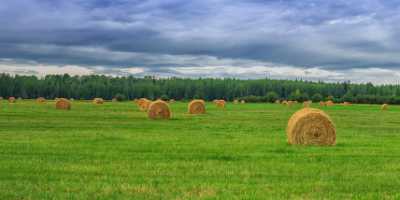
(114, 151)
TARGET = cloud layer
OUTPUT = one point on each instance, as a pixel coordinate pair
(315, 39)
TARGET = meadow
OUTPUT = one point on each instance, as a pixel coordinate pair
(113, 151)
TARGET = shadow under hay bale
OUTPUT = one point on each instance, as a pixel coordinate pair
(197, 106)
(159, 110)
(310, 126)
(63, 104)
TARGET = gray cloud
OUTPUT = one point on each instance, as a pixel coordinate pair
(162, 35)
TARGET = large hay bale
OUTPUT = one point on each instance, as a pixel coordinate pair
(143, 104)
(98, 101)
(307, 104)
(41, 100)
(220, 103)
(63, 104)
(12, 100)
(311, 126)
(385, 107)
(197, 106)
(159, 110)
(329, 103)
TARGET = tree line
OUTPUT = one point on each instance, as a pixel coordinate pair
(128, 88)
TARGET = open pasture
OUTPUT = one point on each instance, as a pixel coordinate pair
(114, 151)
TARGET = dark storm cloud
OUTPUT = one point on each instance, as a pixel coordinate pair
(156, 35)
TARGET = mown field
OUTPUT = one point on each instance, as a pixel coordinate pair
(113, 151)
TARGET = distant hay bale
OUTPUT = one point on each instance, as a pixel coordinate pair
(41, 100)
(235, 101)
(159, 110)
(197, 106)
(143, 104)
(346, 103)
(98, 101)
(12, 100)
(311, 126)
(220, 103)
(307, 104)
(284, 102)
(1, 98)
(385, 107)
(19, 98)
(114, 100)
(329, 103)
(322, 103)
(290, 103)
(277, 102)
(171, 101)
(63, 104)
(242, 101)
(72, 99)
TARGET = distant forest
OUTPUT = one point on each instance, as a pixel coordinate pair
(128, 88)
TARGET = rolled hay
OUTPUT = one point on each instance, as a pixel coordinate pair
(63, 104)
(12, 100)
(171, 101)
(278, 102)
(310, 126)
(41, 100)
(307, 104)
(98, 101)
(290, 103)
(329, 103)
(197, 106)
(242, 101)
(114, 100)
(385, 107)
(143, 104)
(236, 101)
(284, 102)
(1, 98)
(159, 110)
(347, 103)
(322, 103)
(72, 99)
(220, 103)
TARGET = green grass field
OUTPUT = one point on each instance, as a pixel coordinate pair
(113, 151)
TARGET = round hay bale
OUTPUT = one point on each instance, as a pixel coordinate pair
(1, 98)
(346, 103)
(278, 102)
(12, 100)
(284, 102)
(63, 104)
(236, 101)
(220, 103)
(197, 106)
(290, 103)
(143, 104)
(329, 103)
(307, 104)
(385, 107)
(159, 110)
(72, 99)
(98, 101)
(310, 126)
(242, 101)
(171, 101)
(41, 100)
(322, 103)
(114, 100)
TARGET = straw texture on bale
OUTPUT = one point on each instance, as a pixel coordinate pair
(307, 104)
(311, 126)
(98, 101)
(11, 99)
(159, 110)
(385, 107)
(329, 103)
(143, 104)
(41, 100)
(220, 103)
(63, 104)
(197, 106)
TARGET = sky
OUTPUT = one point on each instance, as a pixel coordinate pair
(327, 40)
